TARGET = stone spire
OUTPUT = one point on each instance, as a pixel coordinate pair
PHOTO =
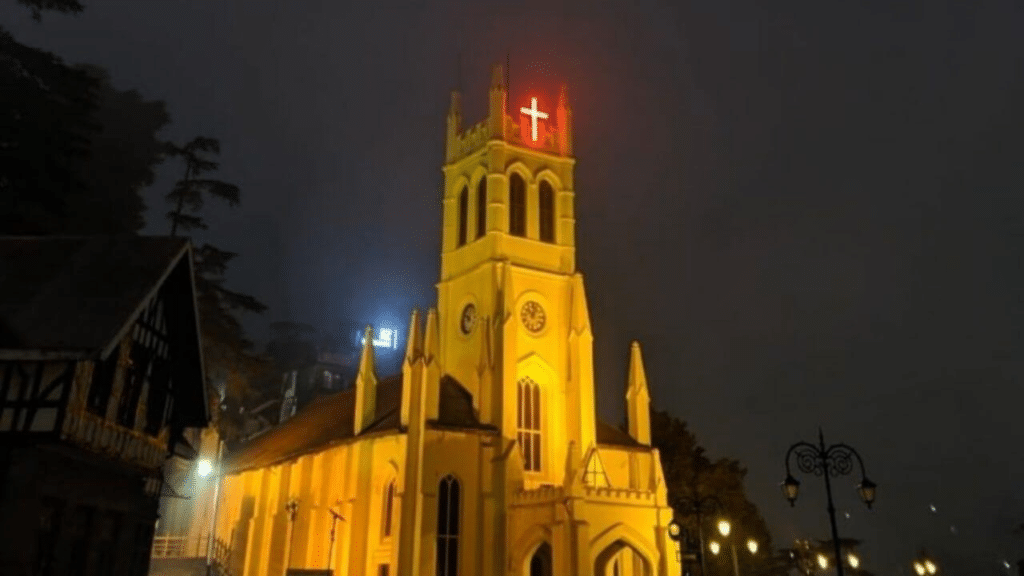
(411, 368)
(431, 366)
(498, 104)
(366, 386)
(563, 115)
(638, 399)
(454, 126)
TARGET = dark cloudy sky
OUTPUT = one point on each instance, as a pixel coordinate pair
(808, 211)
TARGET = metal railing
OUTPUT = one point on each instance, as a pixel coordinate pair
(170, 547)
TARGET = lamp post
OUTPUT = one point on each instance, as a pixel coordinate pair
(924, 565)
(701, 506)
(834, 460)
(725, 528)
(204, 469)
(335, 516)
(292, 507)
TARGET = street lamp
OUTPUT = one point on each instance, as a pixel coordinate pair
(826, 462)
(924, 565)
(725, 528)
(714, 547)
(205, 468)
(700, 507)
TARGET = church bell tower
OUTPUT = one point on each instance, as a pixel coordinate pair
(515, 330)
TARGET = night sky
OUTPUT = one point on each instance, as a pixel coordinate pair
(808, 212)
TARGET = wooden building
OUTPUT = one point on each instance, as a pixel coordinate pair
(100, 372)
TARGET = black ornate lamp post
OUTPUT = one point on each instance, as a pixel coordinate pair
(834, 460)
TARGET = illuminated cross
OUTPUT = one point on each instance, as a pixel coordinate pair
(534, 114)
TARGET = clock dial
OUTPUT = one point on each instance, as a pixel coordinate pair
(468, 320)
(533, 317)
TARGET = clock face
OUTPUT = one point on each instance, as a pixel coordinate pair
(468, 319)
(533, 317)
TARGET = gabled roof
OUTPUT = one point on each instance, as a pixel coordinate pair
(76, 297)
(328, 420)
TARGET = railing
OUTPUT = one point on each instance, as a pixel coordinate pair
(169, 547)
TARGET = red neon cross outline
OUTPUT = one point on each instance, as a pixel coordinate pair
(534, 114)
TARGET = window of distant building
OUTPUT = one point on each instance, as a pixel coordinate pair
(516, 205)
(528, 421)
(448, 527)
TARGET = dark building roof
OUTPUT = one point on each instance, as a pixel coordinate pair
(75, 298)
(329, 420)
(614, 436)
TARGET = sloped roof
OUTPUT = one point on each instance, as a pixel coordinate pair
(614, 436)
(71, 297)
(329, 420)
(76, 297)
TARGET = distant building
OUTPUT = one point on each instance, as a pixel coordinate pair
(332, 372)
(100, 374)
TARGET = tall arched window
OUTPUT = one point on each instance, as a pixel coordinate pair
(516, 205)
(387, 509)
(528, 423)
(463, 214)
(481, 207)
(547, 212)
(448, 527)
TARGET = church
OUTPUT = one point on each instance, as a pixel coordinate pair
(484, 456)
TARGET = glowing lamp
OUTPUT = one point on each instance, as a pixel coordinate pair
(674, 530)
(867, 491)
(724, 527)
(822, 561)
(919, 568)
(752, 546)
(714, 547)
(204, 468)
(790, 488)
(930, 567)
(853, 560)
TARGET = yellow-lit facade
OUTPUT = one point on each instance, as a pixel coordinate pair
(485, 457)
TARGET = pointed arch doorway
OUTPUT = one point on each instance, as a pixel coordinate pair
(540, 562)
(621, 559)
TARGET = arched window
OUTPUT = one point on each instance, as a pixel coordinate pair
(528, 423)
(547, 212)
(481, 207)
(516, 205)
(448, 527)
(387, 509)
(463, 214)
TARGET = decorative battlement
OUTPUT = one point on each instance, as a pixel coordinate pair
(645, 497)
(537, 495)
(532, 124)
(627, 496)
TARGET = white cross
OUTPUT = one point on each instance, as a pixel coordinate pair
(534, 114)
